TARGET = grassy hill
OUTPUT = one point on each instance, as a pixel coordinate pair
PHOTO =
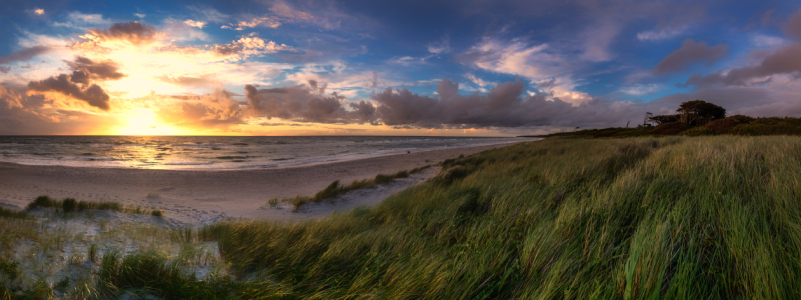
(637, 218)
(714, 217)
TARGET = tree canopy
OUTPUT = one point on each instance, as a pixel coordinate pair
(693, 113)
(700, 112)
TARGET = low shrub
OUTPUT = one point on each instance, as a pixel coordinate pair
(381, 178)
(697, 131)
(43, 201)
(670, 128)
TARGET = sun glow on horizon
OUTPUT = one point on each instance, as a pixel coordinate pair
(143, 122)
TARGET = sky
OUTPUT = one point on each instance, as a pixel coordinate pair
(326, 67)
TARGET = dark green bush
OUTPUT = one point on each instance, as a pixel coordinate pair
(69, 205)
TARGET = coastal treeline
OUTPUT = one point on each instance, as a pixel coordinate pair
(697, 118)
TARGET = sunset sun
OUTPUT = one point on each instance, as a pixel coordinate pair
(143, 122)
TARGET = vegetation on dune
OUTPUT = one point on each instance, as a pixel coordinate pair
(673, 218)
(71, 205)
(154, 274)
(336, 189)
(8, 213)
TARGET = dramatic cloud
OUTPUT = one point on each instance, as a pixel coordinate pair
(247, 46)
(538, 63)
(80, 84)
(506, 105)
(24, 54)
(689, 53)
(217, 109)
(25, 114)
(793, 28)
(132, 32)
(85, 70)
(785, 60)
(93, 94)
(302, 103)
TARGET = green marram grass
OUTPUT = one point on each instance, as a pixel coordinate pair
(636, 218)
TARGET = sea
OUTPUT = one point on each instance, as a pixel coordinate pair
(217, 152)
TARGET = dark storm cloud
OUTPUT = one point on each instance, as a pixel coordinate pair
(785, 60)
(793, 27)
(93, 94)
(85, 70)
(363, 112)
(134, 32)
(303, 103)
(4, 69)
(506, 105)
(24, 54)
(689, 53)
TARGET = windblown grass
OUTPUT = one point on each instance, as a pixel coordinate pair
(70, 205)
(336, 189)
(668, 218)
(8, 213)
(155, 275)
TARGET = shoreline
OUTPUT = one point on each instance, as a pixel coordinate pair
(261, 168)
(190, 197)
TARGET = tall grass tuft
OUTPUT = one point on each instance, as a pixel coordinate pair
(158, 276)
(8, 213)
(71, 205)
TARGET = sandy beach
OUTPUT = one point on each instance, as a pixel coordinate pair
(195, 197)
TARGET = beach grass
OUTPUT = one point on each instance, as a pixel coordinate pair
(9, 213)
(336, 189)
(71, 205)
(637, 218)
